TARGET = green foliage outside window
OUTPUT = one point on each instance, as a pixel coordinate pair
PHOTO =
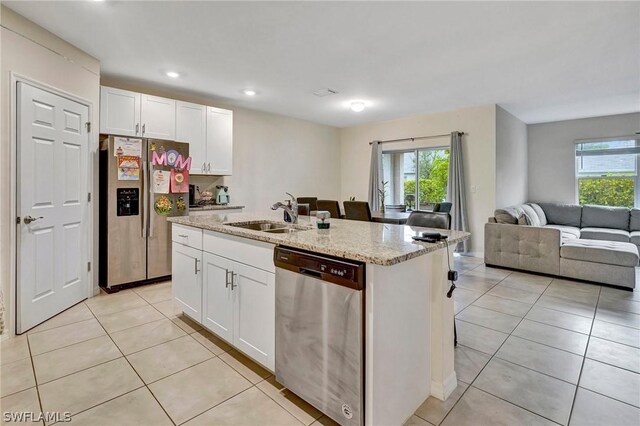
(606, 191)
(434, 174)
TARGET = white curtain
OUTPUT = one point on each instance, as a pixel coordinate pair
(375, 175)
(455, 190)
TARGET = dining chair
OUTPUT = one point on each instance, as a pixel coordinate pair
(332, 206)
(425, 219)
(439, 220)
(442, 207)
(357, 210)
(312, 201)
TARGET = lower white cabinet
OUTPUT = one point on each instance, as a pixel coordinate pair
(186, 272)
(218, 295)
(254, 313)
(227, 295)
(238, 304)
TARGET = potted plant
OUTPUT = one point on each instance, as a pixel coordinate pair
(383, 193)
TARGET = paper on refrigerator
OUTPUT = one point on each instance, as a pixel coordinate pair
(127, 146)
(161, 181)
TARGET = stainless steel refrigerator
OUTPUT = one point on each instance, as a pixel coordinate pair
(135, 236)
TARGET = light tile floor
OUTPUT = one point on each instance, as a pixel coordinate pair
(531, 350)
(537, 350)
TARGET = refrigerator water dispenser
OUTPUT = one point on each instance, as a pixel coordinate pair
(128, 201)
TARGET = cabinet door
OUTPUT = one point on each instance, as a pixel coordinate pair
(191, 127)
(254, 313)
(186, 277)
(119, 112)
(158, 116)
(217, 296)
(219, 141)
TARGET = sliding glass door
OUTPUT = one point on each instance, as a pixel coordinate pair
(416, 178)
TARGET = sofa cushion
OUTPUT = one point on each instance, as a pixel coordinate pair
(605, 217)
(540, 213)
(634, 220)
(531, 216)
(605, 234)
(634, 237)
(607, 252)
(569, 230)
(508, 214)
(562, 214)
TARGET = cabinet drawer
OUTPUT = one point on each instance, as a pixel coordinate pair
(250, 252)
(186, 235)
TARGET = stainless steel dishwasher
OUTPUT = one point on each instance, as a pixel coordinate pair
(320, 331)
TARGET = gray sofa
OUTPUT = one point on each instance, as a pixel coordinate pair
(592, 243)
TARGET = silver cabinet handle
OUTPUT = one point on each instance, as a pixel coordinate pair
(183, 235)
(204, 167)
(137, 127)
(196, 266)
(234, 277)
(227, 278)
(209, 167)
(143, 128)
(30, 219)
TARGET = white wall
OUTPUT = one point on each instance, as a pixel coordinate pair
(479, 149)
(552, 152)
(511, 159)
(272, 154)
(31, 51)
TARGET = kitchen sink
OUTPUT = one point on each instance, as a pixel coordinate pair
(271, 227)
(284, 230)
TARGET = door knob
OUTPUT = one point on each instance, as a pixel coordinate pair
(30, 219)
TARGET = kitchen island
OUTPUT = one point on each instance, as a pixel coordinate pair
(224, 278)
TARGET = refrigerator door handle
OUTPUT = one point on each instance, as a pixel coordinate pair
(143, 203)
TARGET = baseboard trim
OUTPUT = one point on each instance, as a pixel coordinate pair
(442, 390)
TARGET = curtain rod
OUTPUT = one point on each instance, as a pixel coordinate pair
(417, 137)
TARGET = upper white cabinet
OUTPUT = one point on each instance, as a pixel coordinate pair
(119, 112)
(158, 117)
(219, 141)
(207, 130)
(191, 127)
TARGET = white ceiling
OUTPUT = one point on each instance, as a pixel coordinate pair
(540, 61)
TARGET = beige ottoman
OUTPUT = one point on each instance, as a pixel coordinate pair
(607, 262)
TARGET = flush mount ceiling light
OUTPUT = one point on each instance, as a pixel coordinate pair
(172, 74)
(249, 92)
(357, 106)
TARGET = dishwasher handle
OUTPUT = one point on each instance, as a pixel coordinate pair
(309, 272)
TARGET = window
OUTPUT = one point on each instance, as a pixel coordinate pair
(607, 172)
(428, 166)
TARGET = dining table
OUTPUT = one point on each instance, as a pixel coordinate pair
(397, 218)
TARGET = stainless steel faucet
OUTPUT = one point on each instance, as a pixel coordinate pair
(293, 210)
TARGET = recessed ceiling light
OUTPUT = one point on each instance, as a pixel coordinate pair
(249, 92)
(172, 74)
(357, 106)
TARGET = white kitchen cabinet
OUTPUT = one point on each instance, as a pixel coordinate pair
(208, 130)
(119, 112)
(186, 277)
(191, 127)
(254, 313)
(218, 295)
(158, 117)
(219, 141)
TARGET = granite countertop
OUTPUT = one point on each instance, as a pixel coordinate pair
(370, 242)
(214, 207)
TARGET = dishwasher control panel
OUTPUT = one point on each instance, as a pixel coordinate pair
(343, 272)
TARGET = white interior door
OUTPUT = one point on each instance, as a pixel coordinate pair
(52, 189)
